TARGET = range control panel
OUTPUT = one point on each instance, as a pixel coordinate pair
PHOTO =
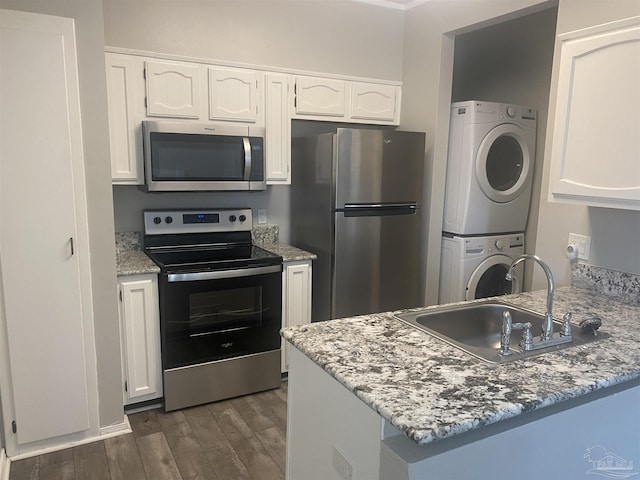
(162, 222)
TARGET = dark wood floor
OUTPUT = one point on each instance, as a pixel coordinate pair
(241, 438)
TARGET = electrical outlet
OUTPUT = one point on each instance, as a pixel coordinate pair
(582, 244)
(342, 465)
(262, 216)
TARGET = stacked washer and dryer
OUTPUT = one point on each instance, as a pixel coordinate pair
(488, 191)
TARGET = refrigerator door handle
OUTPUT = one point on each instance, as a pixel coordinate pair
(378, 209)
(413, 205)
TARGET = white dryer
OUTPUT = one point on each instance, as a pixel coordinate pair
(475, 267)
(489, 168)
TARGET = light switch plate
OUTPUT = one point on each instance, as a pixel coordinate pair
(262, 215)
(582, 244)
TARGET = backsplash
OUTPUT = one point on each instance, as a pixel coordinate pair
(133, 240)
(128, 241)
(625, 286)
(265, 233)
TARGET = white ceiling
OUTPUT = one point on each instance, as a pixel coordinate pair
(394, 4)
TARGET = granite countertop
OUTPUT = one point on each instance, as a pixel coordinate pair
(288, 252)
(134, 262)
(430, 390)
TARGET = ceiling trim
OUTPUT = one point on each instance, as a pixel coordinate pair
(395, 4)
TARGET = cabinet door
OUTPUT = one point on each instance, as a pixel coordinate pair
(47, 312)
(141, 338)
(320, 96)
(278, 129)
(370, 101)
(233, 94)
(173, 89)
(125, 90)
(296, 308)
(596, 143)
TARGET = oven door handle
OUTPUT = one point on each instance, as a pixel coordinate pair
(222, 274)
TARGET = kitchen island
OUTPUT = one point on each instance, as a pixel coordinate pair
(375, 395)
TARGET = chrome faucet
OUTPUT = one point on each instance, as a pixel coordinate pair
(547, 326)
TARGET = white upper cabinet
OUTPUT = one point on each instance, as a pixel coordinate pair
(125, 91)
(278, 128)
(596, 144)
(316, 98)
(320, 96)
(233, 94)
(371, 101)
(144, 87)
(173, 89)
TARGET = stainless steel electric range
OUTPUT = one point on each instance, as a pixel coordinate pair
(220, 305)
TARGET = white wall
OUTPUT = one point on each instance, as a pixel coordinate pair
(427, 76)
(614, 233)
(340, 36)
(336, 36)
(93, 100)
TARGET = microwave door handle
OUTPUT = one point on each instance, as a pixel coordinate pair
(247, 158)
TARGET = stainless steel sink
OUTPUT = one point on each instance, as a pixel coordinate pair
(476, 329)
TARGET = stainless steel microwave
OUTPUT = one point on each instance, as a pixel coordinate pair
(181, 156)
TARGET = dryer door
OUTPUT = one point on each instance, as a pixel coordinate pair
(487, 280)
(504, 163)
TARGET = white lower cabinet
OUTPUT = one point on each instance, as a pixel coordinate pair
(296, 300)
(140, 337)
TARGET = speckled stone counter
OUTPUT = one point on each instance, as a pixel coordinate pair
(130, 259)
(266, 236)
(134, 262)
(287, 252)
(431, 391)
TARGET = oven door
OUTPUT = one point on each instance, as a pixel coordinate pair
(214, 315)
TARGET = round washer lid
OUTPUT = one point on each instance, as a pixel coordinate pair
(504, 163)
(487, 279)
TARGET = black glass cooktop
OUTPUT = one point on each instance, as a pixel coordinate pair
(213, 258)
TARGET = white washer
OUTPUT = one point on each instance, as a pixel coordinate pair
(489, 168)
(475, 267)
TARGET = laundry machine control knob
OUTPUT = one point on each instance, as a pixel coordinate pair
(511, 111)
(500, 244)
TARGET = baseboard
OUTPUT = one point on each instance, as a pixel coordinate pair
(104, 432)
(4, 465)
(115, 430)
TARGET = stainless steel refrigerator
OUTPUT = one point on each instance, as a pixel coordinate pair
(355, 202)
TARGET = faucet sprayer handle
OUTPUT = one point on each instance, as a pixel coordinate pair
(565, 330)
(526, 342)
